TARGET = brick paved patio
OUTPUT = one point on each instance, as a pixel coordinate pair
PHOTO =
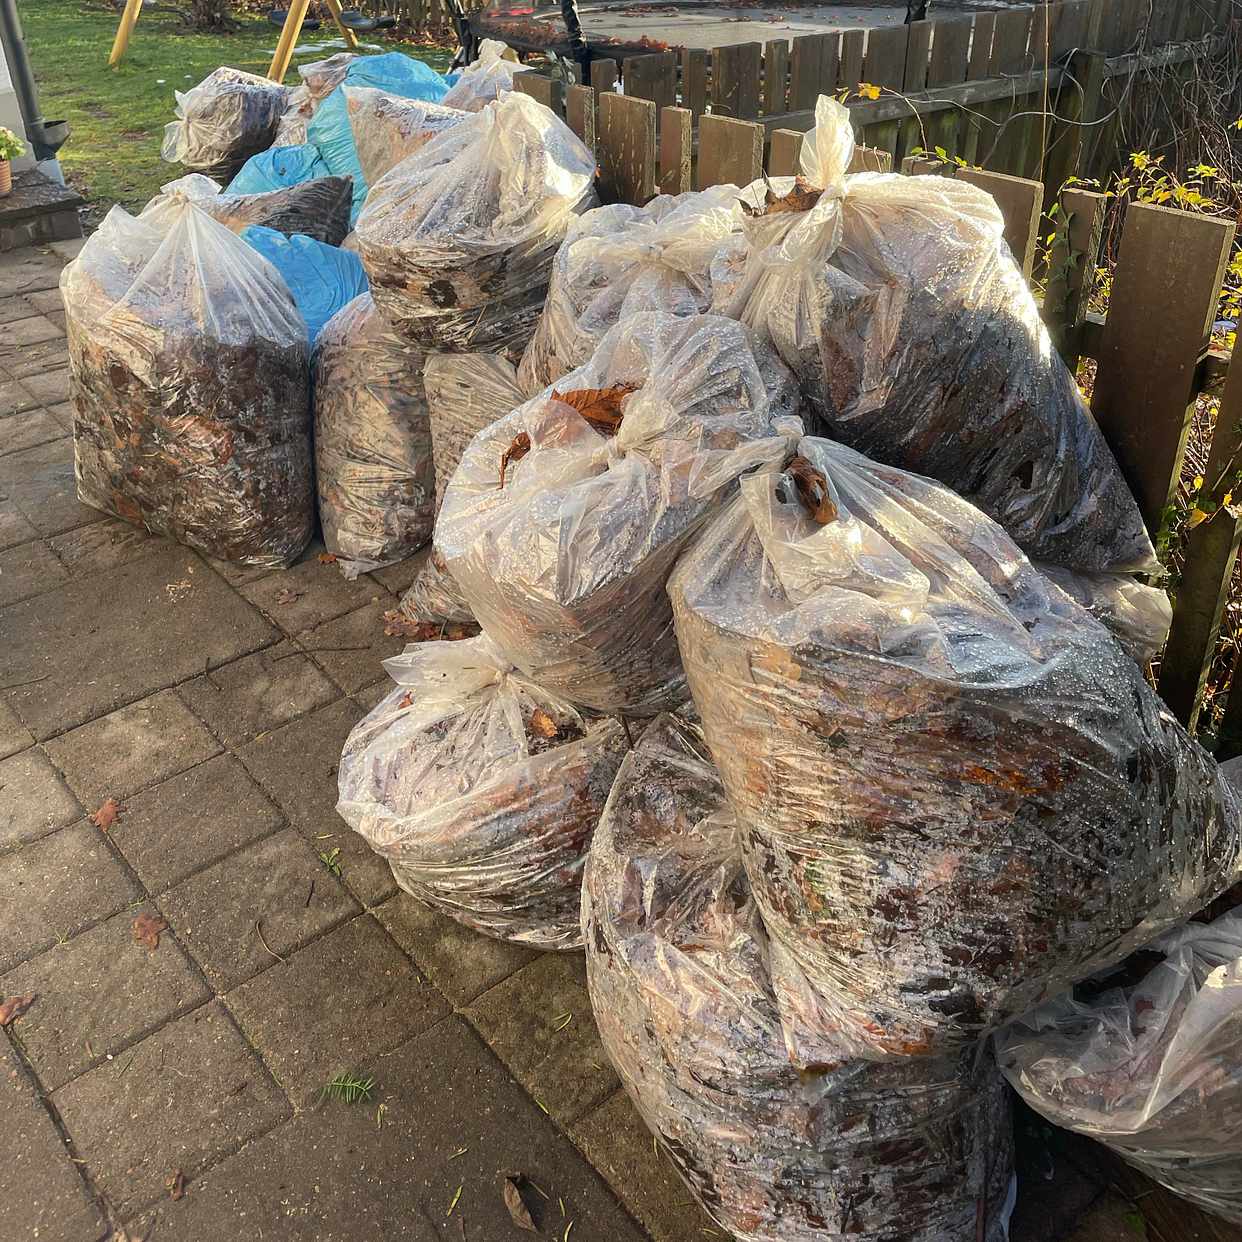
(214, 713)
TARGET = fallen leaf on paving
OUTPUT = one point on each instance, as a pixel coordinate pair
(542, 723)
(287, 595)
(175, 1182)
(327, 558)
(12, 1007)
(601, 407)
(802, 197)
(106, 816)
(515, 452)
(147, 928)
(398, 625)
(517, 1207)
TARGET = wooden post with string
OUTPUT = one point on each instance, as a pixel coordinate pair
(292, 29)
(129, 19)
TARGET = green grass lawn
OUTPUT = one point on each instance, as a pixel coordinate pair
(117, 116)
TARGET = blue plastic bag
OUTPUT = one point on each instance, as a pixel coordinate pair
(329, 129)
(321, 278)
(277, 168)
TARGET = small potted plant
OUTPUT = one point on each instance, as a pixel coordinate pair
(11, 146)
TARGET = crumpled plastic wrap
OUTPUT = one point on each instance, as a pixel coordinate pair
(190, 386)
(482, 791)
(607, 477)
(465, 393)
(389, 128)
(917, 1150)
(321, 77)
(485, 79)
(373, 465)
(224, 120)
(458, 239)
(959, 794)
(1138, 616)
(917, 340)
(291, 131)
(1151, 1066)
(318, 209)
(620, 259)
(278, 168)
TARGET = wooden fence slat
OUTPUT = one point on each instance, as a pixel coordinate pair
(851, 59)
(775, 75)
(885, 62)
(1077, 106)
(918, 53)
(626, 148)
(1070, 32)
(694, 79)
(735, 80)
(652, 77)
(1163, 304)
(784, 152)
(580, 113)
(1021, 202)
(730, 151)
(1003, 147)
(548, 91)
(1009, 43)
(950, 52)
(1071, 269)
(603, 76)
(676, 150)
(983, 35)
(750, 72)
(805, 72)
(1207, 569)
(870, 159)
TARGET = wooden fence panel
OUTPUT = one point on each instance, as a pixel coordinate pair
(1071, 269)
(653, 77)
(1070, 33)
(1211, 550)
(626, 148)
(850, 74)
(603, 76)
(580, 113)
(676, 150)
(982, 37)
(812, 60)
(730, 151)
(918, 54)
(784, 152)
(975, 133)
(735, 80)
(950, 52)
(775, 77)
(1162, 307)
(885, 62)
(548, 91)
(694, 80)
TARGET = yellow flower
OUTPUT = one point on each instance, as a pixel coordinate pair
(1140, 159)
(867, 91)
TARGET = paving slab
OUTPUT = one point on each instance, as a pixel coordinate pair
(14, 526)
(28, 270)
(98, 993)
(103, 545)
(16, 397)
(262, 903)
(17, 334)
(131, 749)
(46, 301)
(397, 578)
(16, 307)
(57, 886)
(462, 963)
(297, 766)
(14, 735)
(336, 1005)
(189, 1094)
(25, 430)
(334, 1175)
(539, 1023)
(62, 413)
(23, 361)
(372, 696)
(258, 693)
(34, 799)
(308, 593)
(350, 648)
(98, 643)
(27, 570)
(197, 818)
(616, 1141)
(40, 483)
(43, 1194)
(49, 387)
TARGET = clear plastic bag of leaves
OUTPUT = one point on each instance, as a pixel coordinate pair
(465, 393)
(224, 120)
(677, 962)
(563, 519)
(959, 794)
(318, 209)
(488, 77)
(482, 790)
(191, 386)
(916, 340)
(1149, 1064)
(389, 128)
(1138, 616)
(620, 259)
(458, 238)
(373, 464)
(291, 131)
